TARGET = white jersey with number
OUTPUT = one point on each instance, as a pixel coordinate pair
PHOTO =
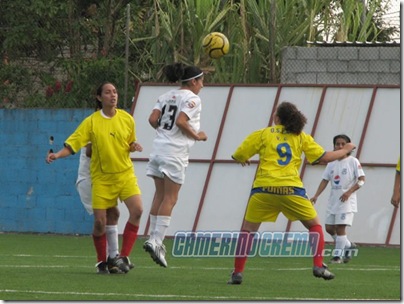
(342, 174)
(170, 140)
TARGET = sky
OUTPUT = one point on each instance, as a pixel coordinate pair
(393, 16)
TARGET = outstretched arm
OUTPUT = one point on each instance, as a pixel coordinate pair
(64, 152)
(242, 163)
(330, 156)
(395, 199)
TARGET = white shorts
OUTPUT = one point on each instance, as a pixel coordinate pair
(84, 189)
(340, 219)
(170, 166)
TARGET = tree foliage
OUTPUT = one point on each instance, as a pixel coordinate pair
(54, 52)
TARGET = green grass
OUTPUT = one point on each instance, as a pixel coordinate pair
(61, 268)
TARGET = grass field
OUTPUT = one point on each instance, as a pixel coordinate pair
(61, 268)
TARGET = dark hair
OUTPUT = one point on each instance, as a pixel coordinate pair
(343, 136)
(98, 104)
(179, 71)
(291, 118)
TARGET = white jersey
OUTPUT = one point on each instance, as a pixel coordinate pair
(170, 140)
(83, 183)
(84, 166)
(342, 174)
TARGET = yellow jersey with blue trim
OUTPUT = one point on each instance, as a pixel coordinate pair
(280, 155)
(110, 138)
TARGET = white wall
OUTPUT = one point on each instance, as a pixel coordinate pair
(370, 116)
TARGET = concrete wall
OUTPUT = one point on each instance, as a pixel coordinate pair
(37, 197)
(216, 189)
(341, 65)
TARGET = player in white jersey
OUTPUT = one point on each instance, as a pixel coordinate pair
(176, 118)
(346, 176)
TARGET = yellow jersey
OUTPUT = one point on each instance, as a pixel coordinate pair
(398, 167)
(280, 155)
(110, 138)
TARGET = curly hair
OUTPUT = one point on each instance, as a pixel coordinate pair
(291, 118)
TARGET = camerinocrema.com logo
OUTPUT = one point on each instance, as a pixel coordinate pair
(238, 244)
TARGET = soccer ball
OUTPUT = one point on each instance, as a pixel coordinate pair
(216, 45)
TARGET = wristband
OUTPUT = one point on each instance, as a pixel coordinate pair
(360, 183)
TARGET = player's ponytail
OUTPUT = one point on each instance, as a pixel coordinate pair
(181, 72)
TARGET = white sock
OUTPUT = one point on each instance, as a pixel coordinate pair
(340, 245)
(152, 227)
(162, 224)
(348, 243)
(112, 240)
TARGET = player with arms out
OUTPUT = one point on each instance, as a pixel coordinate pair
(280, 149)
(176, 118)
(346, 176)
(83, 186)
(111, 132)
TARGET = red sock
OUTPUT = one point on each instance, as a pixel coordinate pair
(128, 239)
(317, 240)
(244, 245)
(100, 243)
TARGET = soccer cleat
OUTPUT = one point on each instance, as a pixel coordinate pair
(117, 265)
(323, 272)
(149, 246)
(348, 252)
(127, 262)
(236, 278)
(160, 251)
(336, 260)
(102, 267)
(157, 252)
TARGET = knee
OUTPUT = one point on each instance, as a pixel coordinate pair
(137, 213)
(113, 216)
(330, 230)
(99, 226)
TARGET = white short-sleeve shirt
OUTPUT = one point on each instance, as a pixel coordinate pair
(169, 138)
(342, 175)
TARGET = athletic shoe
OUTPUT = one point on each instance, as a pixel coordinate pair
(236, 278)
(157, 252)
(102, 267)
(160, 252)
(323, 272)
(336, 260)
(149, 246)
(127, 262)
(348, 252)
(117, 265)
